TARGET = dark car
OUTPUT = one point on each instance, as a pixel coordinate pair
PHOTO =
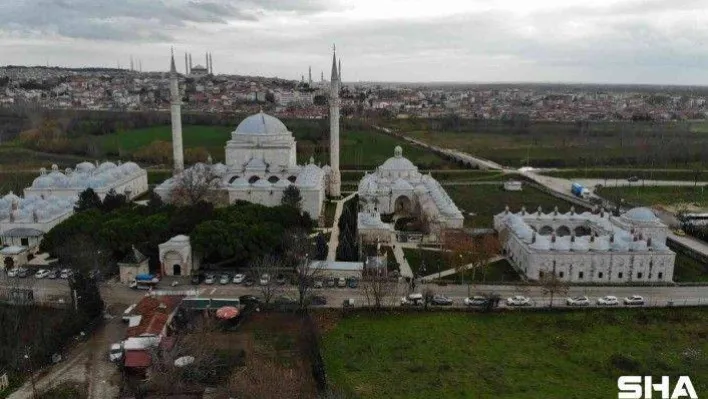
(197, 278)
(330, 282)
(53, 274)
(249, 282)
(318, 300)
(441, 300)
(633, 179)
(353, 282)
(249, 300)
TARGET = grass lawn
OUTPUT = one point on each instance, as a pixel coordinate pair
(434, 261)
(688, 269)
(622, 174)
(485, 201)
(500, 271)
(649, 196)
(16, 181)
(513, 355)
(13, 158)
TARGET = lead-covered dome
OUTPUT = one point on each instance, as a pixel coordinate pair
(641, 214)
(261, 124)
(398, 162)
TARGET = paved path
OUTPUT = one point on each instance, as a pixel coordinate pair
(405, 268)
(449, 272)
(334, 237)
(591, 183)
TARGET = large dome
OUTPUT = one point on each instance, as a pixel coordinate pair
(398, 162)
(261, 124)
(641, 214)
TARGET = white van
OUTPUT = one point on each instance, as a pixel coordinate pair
(412, 300)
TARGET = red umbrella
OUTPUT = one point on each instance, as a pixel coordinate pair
(227, 312)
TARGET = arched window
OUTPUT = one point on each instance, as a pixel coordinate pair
(582, 231)
(546, 231)
(253, 179)
(563, 231)
(273, 179)
(292, 179)
(231, 180)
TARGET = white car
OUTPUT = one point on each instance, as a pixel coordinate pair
(238, 278)
(209, 279)
(265, 279)
(578, 301)
(634, 300)
(342, 282)
(607, 300)
(116, 352)
(41, 273)
(66, 273)
(518, 300)
(12, 272)
(475, 301)
(412, 299)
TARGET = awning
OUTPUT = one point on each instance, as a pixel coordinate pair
(137, 358)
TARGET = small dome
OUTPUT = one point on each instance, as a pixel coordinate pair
(398, 162)
(42, 182)
(256, 164)
(219, 169)
(261, 124)
(262, 183)
(180, 238)
(85, 167)
(282, 183)
(106, 165)
(641, 214)
(240, 182)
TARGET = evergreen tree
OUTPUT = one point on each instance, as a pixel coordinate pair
(88, 199)
(321, 253)
(292, 197)
(86, 295)
(113, 201)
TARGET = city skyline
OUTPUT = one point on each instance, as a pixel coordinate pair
(612, 41)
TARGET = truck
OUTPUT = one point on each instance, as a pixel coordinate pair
(579, 191)
(144, 282)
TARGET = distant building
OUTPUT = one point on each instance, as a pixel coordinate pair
(586, 247)
(512, 185)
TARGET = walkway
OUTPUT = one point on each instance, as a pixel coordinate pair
(404, 267)
(450, 272)
(334, 237)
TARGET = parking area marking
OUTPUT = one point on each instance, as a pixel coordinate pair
(213, 290)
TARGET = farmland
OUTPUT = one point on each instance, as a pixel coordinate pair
(695, 197)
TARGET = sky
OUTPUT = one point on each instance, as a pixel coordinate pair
(598, 41)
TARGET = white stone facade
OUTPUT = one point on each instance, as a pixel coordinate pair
(398, 188)
(127, 178)
(588, 248)
(176, 257)
(23, 221)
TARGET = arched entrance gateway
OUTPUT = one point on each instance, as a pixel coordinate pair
(176, 270)
(173, 260)
(403, 205)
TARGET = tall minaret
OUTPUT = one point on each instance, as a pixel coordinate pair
(335, 177)
(211, 65)
(190, 62)
(309, 76)
(186, 65)
(339, 73)
(176, 103)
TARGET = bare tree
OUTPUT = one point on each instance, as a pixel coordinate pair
(195, 184)
(269, 266)
(300, 251)
(552, 285)
(378, 288)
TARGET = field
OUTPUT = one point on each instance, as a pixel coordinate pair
(513, 355)
(485, 201)
(696, 197)
(500, 271)
(13, 158)
(621, 175)
(688, 269)
(555, 144)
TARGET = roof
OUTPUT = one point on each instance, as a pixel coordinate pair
(398, 162)
(23, 232)
(641, 214)
(155, 312)
(329, 265)
(134, 256)
(13, 250)
(261, 124)
(137, 358)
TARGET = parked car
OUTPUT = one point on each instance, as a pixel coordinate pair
(197, 278)
(265, 279)
(249, 299)
(116, 353)
(679, 232)
(607, 300)
(225, 278)
(318, 284)
(634, 300)
(441, 300)
(412, 300)
(285, 300)
(249, 282)
(518, 300)
(475, 301)
(22, 272)
(578, 301)
(280, 279)
(66, 273)
(633, 179)
(330, 282)
(318, 300)
(209, 279)
(341, 282)
(53, 274)
(238, 278)
(41, 273)
(353, 282)
(12, 272)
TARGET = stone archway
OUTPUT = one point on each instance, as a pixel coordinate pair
(563, 231)
(231, 180)
(170, 260)
(582, 231)
(176, 270)
(545, 231)
(403, 205)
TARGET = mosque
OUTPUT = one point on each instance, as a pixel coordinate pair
(261, 159)
(587, 247)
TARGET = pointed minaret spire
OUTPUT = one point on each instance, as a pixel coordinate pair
(335, 75)
(176, 115)
(173, 68)
(335, 176)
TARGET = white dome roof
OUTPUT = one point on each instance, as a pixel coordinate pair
(398, 162)
(85, 167)
(179, 238)
(240, 182)
(401, 184)
(641, 214)
(282, 183)
(42, 181)
(262, 183)
(261, 124)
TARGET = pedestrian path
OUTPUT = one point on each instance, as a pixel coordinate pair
(405, 268)
(450, 272)
(334, 237)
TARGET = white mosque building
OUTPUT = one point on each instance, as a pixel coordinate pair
(587, 247)
(261, 159)
(397, 187)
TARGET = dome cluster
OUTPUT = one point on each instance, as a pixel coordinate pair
(33, 209)
(86, 175)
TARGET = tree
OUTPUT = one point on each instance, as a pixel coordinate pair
(485, 248)
(292, 197)
(270, 265)
(552, 285)
(113, 201)
(428, 295)
(322, 247)
(195, 185)
(155, 202)
(299, 252)
(378, 288)
(88, 199)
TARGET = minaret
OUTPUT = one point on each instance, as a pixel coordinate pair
(175, 104)
(211, 65)
(207, 61)
(334, 178)
(339, 73)
(186, 65)
(309, 76)
(190, 63)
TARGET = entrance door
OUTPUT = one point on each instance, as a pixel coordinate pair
(176, 270)
(9, 263)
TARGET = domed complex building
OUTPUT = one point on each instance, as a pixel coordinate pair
(127, 178)
(398, 188)
(261, 162)
(587, 247)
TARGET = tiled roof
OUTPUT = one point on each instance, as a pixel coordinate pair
(137, 358)
(155, 312)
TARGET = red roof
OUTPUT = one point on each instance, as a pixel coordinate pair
(137, 358)
(155, 312)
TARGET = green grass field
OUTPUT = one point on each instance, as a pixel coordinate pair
(485, 201)
(568, 355)
(649, 196)
(500, 272)
(621, 175)
(688, 269)
(13, 158)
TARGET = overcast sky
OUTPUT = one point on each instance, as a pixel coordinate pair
(604, 41)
